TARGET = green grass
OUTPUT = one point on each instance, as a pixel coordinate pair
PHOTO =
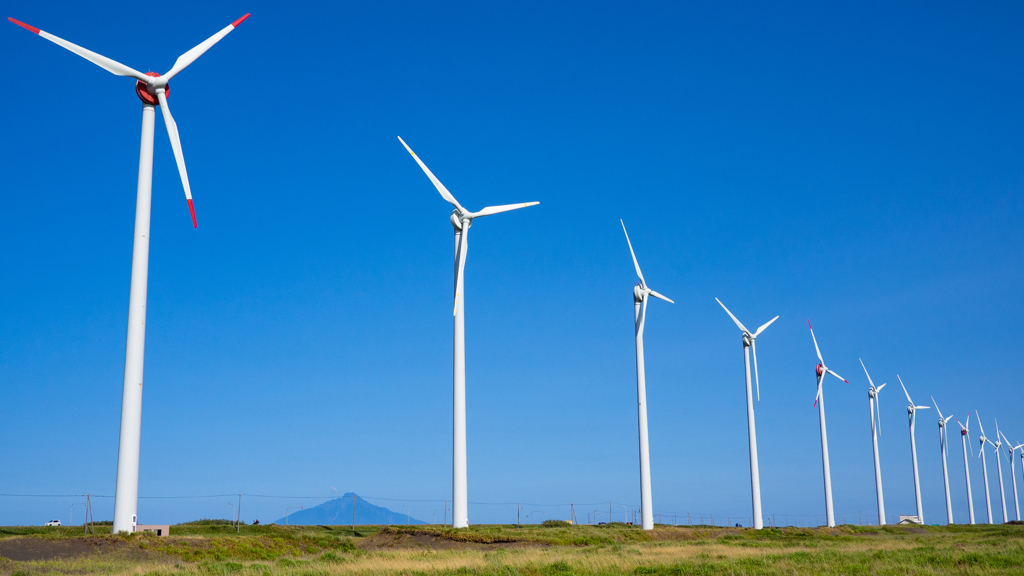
(541, 550)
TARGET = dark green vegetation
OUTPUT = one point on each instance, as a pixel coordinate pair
(549, 549)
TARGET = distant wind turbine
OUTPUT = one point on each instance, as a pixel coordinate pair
(640, 294)
(984, 467)
(749, 342)
(1013, 474)
(999, 467)
(876, 429)
(943, 439)
(965, 440)
(819, 400)
(461, 220)
(912, 416)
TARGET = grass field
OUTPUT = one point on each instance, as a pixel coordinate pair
(505, 549)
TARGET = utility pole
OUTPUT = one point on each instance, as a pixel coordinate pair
(609, 512)
(518, 523)
(238, 519)
(572, 513)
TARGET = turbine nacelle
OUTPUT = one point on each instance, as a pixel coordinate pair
(819, 370)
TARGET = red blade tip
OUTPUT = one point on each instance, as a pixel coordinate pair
(809, 324)
(31, 29)
(239, 21)
(192, 209)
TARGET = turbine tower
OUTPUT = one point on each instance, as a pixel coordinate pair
(943, 440)
(640, 294)
(876, 429)
(984, 467)
(819, 400)
(912, 415)
(999, 468)
(461, 220)
(965, 439)
(1013, 475)
(153, 89)
(749, 344)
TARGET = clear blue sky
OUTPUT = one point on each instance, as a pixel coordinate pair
(860, 166)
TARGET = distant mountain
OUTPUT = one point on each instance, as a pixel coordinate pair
(339, 511)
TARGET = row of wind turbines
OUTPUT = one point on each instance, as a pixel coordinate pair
(153, 90)
(1007, 450)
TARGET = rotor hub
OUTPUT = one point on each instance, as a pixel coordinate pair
(963, 432)
(820, 370)
(458, 222)
(142, 91)
(638, 293)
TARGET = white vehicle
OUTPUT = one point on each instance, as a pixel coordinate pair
(52, 523)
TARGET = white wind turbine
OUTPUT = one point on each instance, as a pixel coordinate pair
(912, 415)
(640, 294)
(153, 90)
(984, 467)
(1013, 474)
(749, 342)
(876, 429)
(999, 467)
(943, 439)
(965, 439)
(819, 400)
(461, 220)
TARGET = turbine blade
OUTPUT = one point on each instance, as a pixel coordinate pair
(922, 407)
(816, 349)
(829, 370)
(879, 389)
(980, 427)
(437, 183)
(765, 325)
(878, 409)
(757, 380)
(643, 317)
(868, 375)
(460, 279)
(189, 57)
(107, 64)
(179, 158)
(643, 284)
(905, 390)
(738, 323)
(656, 295)
(504, 208)
(818, 395)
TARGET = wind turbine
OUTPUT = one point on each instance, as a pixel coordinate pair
(1013, 474)
(999, 467)
(153, 89)
(876, 429)
(461, 220)
(965, 437)
(749, 342)
(640, 294)
(943, 439)
(819, 400)
(984, 466)
(912, 415)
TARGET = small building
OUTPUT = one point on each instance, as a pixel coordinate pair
(910, 520)
(155, 529)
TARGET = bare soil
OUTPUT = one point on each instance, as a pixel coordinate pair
(29, 548)
(385, 541)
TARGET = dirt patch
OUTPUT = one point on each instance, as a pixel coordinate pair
(426, 540)
(915, 531)
(28, 548)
